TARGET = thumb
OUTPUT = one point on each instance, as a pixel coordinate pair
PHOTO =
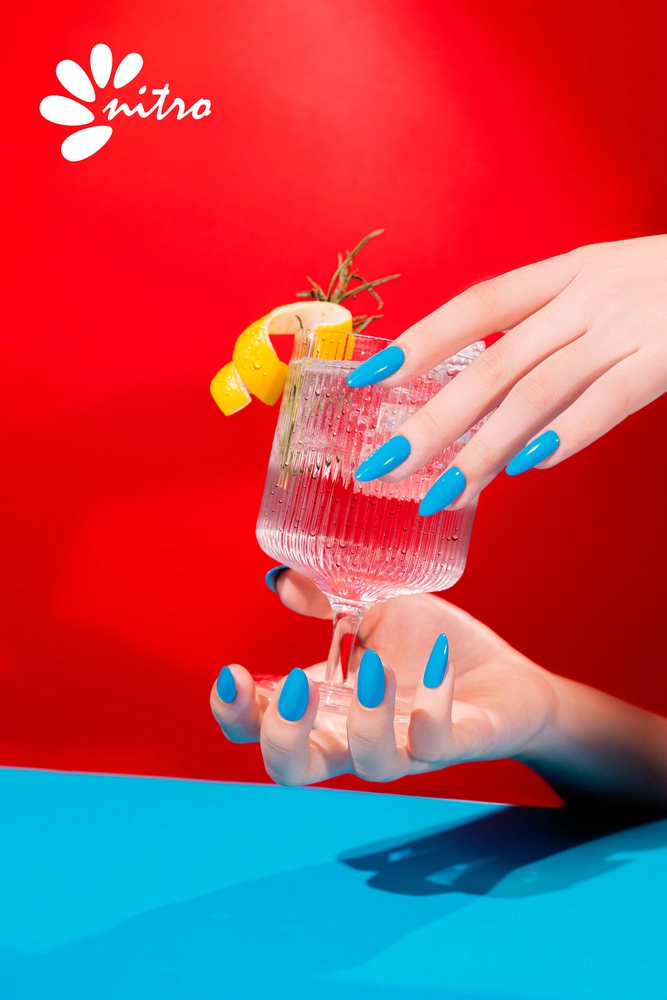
(300, 594)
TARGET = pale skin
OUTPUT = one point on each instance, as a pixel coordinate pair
(585, 346)
(493, 702)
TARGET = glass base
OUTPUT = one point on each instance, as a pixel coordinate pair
(335, 701)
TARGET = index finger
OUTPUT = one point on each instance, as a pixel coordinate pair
(298, 593)
(485, 308)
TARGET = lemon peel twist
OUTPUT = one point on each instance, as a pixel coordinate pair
(255, 367)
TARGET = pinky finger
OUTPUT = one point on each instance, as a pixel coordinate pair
(628, 386)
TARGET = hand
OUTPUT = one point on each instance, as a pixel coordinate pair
(493, 702)
(586, 345)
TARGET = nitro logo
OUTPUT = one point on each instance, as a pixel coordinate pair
(84, 142)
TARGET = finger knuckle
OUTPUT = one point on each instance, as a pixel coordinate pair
(622, 393)
(428, 739)
(490, 369)
(484, 297)
(288, 780)
(427, 424)
(481, 456)
(592, 411)
(430, 751)
(218, 714)
(214, 709)
(281, 765)
(539, 391)
(429, 337)
(275, 749)
(579, 255)
(368, 761)
(584, 421)
(374, 773)
(233, 734)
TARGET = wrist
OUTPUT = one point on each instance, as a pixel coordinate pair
(553, 735)
(599, 751)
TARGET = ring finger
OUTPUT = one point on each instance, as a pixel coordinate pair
(529, 406)
(485, 382)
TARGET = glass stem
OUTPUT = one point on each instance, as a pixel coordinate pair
(346, 620)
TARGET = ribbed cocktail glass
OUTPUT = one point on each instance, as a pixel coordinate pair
(360, 542)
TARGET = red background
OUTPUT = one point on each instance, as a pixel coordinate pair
(482, 135)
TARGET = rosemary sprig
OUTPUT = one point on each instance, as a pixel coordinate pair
(368, 286)
(341, 288)
(360, 323)
(344, 265)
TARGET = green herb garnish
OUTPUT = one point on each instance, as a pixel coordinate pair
(341, 285)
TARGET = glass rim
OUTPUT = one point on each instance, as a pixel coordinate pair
(347, 333)
(309, 333)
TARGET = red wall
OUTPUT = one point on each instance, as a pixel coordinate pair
(482, 135)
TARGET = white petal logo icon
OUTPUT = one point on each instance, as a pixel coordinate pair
(60, 110)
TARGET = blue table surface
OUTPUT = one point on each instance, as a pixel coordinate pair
(117, 887)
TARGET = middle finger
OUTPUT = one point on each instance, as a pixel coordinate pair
(295, 754)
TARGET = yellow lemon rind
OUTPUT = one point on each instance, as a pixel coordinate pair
(228, 390)
(256, 368)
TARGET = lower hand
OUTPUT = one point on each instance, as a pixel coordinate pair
(492, 701)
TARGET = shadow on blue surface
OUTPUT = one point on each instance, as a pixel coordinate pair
(288, 934)
(474, 857)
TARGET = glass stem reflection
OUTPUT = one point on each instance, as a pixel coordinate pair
(346, 620)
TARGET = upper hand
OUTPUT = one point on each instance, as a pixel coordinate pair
(493, 702)
(586, 345)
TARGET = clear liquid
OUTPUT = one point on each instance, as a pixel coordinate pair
(360, 542)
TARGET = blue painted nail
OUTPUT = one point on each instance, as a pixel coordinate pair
(384, 459)
(370, 680)
(380, 366)
(226, 685)
(534, 453)
(436, 668)
(293, 700)
(444, 491)
(272, 577)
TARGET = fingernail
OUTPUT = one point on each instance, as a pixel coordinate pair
(384, 459)
(370, 680)
(293, 700)
(436, 668)
(226, 685)
(444, 491)
(534, 453)
(380, 366)
(272, 577)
